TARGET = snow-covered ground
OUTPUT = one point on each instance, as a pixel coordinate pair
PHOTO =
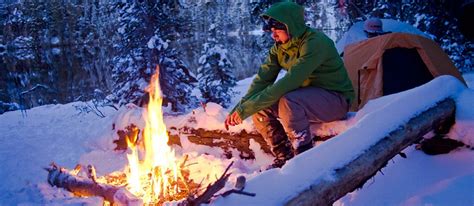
(62, 134)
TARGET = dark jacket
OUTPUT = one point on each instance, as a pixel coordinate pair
(309, 57)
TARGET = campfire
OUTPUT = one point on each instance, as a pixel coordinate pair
(159, 175)
(154, 174)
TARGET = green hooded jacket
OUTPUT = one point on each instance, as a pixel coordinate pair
(309, 57)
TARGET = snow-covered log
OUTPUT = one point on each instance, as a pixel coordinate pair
(212, 138)
(81, 186)
(227, 141)
(355, 173)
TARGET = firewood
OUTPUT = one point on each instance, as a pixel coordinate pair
(81, 186)
(129, 134)
(211, 189)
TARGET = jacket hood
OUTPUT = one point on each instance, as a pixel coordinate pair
(289, 13)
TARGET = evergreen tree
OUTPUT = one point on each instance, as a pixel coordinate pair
(141, 29)
(215, 74)
(130, 71)
(175, 79)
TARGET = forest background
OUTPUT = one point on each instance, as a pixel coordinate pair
(105, 52)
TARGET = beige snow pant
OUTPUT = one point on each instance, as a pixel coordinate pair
(285, 125)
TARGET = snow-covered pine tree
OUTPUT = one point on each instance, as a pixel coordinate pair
(176, 80)
(215, 71)
(130, 71)
(264, 41)
(141, 48)
(215, 74)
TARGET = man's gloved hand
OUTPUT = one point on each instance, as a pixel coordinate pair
(232, 120)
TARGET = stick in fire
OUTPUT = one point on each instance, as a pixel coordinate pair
(210, 190)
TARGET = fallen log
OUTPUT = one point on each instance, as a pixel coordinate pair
(84, 187)
(212, 138)
(355, 173)
(227, 141)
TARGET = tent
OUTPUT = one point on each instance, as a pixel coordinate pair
(393, 63)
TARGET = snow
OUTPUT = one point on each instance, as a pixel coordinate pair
(62, 134)
(31, 140)
(3, 47)
(212, 119)
(257, 32)
(55, 40)
(56, 51)
(463, 130)
(419, 180)
(213, 109)
(121, 30)
(156, 42)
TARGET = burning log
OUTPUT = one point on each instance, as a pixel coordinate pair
(130, 134)
(355, 173)
(84, 187)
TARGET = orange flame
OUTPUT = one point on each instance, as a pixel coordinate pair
(152, 177)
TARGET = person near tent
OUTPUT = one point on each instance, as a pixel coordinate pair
(315, 88)
(373, 27)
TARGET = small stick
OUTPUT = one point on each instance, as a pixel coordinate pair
(240, 192)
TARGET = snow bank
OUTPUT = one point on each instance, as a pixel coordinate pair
(463, 129)
(33, 139)
(419, 179)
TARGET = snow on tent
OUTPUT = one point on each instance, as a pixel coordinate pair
(392, 63)
(356, 32)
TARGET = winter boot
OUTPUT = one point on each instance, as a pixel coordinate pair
(303, 148)
(283, 153)
(300, 140)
